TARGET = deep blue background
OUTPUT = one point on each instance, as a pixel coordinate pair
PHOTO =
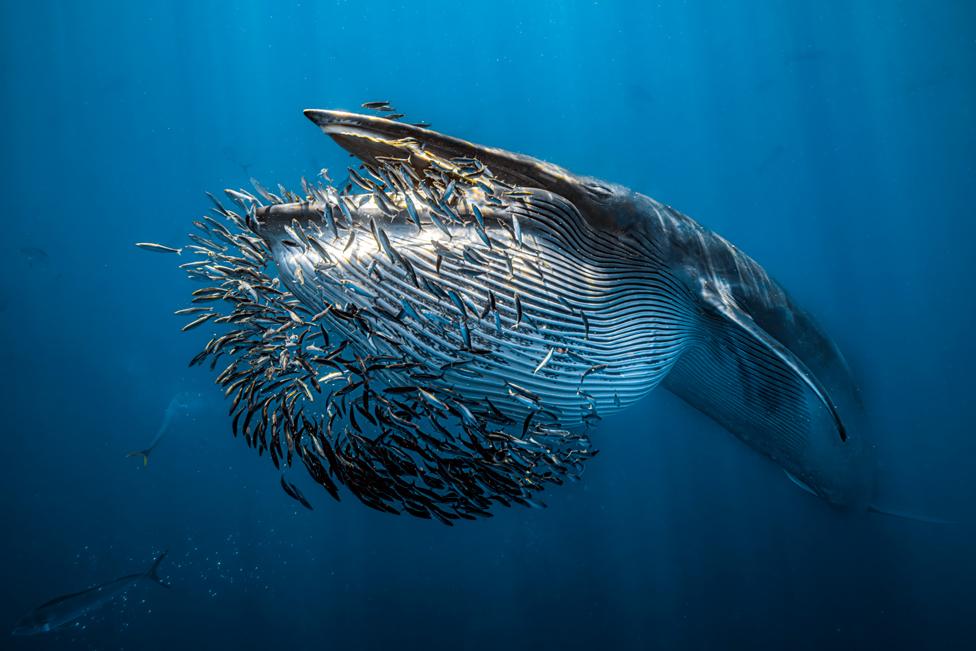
(833, 141)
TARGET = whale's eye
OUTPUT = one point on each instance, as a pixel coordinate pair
(597, 190)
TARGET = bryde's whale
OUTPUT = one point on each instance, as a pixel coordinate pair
(440, 332)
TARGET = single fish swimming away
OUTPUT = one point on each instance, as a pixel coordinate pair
(293, 492)
(443, 341)
(34, 255)
(180, 403)
(66, 609)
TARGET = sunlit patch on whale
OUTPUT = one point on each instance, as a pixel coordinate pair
(439, 335)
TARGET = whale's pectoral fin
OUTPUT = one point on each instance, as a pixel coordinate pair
(783, 354)
(753, 385)
(799, 482)
(367, 137)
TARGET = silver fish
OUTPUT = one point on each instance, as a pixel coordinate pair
(158, 248)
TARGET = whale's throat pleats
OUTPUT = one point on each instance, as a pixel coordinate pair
(586, 321)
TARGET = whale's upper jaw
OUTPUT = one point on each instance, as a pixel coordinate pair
(608, 206)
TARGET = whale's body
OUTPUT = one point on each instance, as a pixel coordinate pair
(556, 299)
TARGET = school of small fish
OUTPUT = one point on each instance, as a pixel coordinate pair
(319, 366)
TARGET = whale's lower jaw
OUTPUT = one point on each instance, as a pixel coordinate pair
(597, 324)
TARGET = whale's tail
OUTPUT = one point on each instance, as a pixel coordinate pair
(153, 572)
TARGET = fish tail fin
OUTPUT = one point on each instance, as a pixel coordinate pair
(139, 453)
(908, 516)
(153, 572)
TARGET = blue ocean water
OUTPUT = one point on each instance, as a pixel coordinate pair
(832, 141)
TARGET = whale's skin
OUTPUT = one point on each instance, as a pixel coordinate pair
(541, 297)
